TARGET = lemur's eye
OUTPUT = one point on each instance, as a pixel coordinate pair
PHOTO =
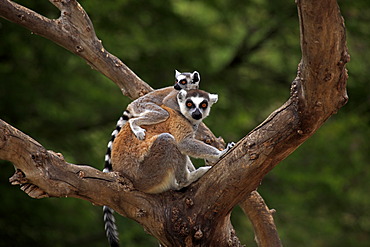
(204, 105)
(189, 104)
(183, 82)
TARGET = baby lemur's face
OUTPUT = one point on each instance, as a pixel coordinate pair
(187, 80)
(195, 104)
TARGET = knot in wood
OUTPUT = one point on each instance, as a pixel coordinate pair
(327, 76)
(189, 202)
(60, 156)
(180, 225)
(140, 213)
(198, 234)
(118, 63)
(125, 182)
(253, 156)
(251, 145)
(81, 174)
(21, 17)
(294, 88)
(39, 158)
(79, 48)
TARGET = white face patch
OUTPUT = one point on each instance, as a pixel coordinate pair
(192, 80)
(180, 77)
(188, 111)
(195, 105)
(197, 100)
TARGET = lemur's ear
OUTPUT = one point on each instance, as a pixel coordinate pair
(177, 73)
(195, 77)
(213, 98)
(181, 95)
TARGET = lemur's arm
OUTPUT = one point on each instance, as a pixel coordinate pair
(198, 149)
(146, 110)
(155, 115)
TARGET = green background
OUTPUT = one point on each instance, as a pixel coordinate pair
(247, 52)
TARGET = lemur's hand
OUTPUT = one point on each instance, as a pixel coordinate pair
(211, 162)
(139, 133)
(228, 148)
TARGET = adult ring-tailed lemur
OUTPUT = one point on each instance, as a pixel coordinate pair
(146, 110)
(161, 161)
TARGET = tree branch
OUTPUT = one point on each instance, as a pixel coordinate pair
(43, 173)
(263, 223)
(74, 31)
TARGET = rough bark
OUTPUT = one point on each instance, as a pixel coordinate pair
(200, 214)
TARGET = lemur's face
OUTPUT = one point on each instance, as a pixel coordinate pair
(186, 80)
(196, 104)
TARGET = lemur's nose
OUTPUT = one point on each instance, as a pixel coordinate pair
(196, 114)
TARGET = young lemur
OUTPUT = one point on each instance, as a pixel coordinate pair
(146, 110)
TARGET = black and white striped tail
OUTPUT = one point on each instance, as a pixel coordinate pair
(122, 121)
(110, 227)
(109, 221)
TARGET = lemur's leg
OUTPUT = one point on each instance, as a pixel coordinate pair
(190, 165)
(164, 166)
(153, 116)
(195, 175)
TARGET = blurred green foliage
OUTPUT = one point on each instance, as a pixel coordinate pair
(247, 52)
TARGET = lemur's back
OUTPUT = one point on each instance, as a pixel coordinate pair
(129, 152)
(156, 96)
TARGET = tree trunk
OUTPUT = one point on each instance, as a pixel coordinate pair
(200, 214)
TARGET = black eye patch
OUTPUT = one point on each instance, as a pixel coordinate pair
(189, 104)
(204, 104)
